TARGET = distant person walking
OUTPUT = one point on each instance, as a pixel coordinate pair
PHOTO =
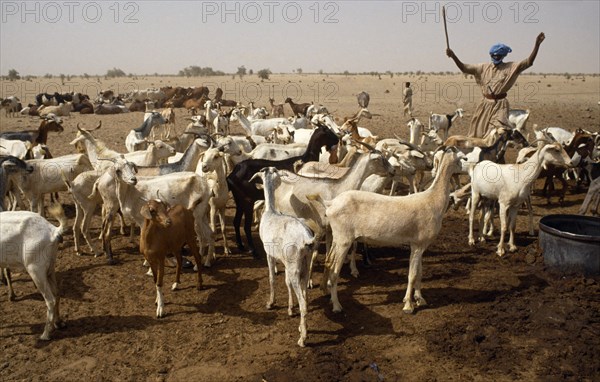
(495, 79)
(407, 100)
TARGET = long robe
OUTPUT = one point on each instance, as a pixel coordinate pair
(407, 101)
(493, 79)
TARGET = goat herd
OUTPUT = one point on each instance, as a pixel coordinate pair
(303, 179)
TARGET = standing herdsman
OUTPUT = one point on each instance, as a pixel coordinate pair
(407, 100)
(495, 78)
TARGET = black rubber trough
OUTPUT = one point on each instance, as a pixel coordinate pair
(571, 243)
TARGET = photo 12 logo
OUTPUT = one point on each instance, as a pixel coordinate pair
(253, 12)
(471, 11)
(71, 11)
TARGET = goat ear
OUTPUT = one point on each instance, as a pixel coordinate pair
(145, 212)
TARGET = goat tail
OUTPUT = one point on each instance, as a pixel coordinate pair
(56, 211)
(199, 200)
(94, 190)
(66, 181)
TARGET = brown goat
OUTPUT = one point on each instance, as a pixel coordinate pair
(165, 231)
(298, 108)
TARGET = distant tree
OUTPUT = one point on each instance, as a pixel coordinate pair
(299, 70)
(115, 72)
(86, 76)
(264, 74)
(251, 72)
(389, 73)
(346, 73)
(13, 75)
(241, 71)
(197, 71)
(48, 75)
(320, 71)
(62, 78)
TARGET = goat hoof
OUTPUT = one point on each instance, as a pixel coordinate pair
(421, 301)
(512, 248)
(45, 337)
(269, 306)
(301, 342)
(12, 297)
(111, 261)
(174, 286)
(408, 310)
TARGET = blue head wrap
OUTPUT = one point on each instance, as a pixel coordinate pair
(499, 50)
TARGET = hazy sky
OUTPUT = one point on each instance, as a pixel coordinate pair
(75, 37)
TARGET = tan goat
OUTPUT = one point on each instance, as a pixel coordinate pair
(165, 231)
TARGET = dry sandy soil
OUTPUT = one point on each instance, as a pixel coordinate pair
(487, 319)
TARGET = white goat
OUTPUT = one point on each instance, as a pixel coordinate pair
(518, 119)
(510, 184)
(213, 169)
(30, 241)
(443, 122)
(415, 128)
(47, 177)
(136, 139)
(14, 147)
(365, 216)
(289, 240)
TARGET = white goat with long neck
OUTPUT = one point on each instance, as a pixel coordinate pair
(213, 169)
(510, 185)
(289, 240)
(365, 216)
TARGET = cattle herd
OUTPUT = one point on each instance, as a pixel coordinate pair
(303, 179)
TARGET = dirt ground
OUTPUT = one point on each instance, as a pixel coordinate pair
(487, 318)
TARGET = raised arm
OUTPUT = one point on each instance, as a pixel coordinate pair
(538, 41)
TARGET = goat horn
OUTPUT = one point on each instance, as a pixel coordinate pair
(109, 159)
(538, 140)
(99, 125)
(410, 145)
(371, 148)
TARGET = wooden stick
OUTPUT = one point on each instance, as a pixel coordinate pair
(445, 26)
